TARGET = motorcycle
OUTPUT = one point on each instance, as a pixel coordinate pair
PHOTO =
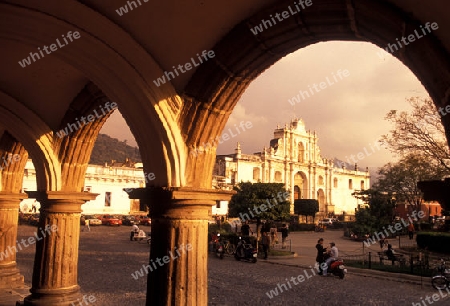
(337, 268)
(245, 251)
(220, 251)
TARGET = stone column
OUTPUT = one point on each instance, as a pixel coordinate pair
(9, 215)
(55, 272)
(177, 271)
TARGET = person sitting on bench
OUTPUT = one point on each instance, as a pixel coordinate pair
(390, 253)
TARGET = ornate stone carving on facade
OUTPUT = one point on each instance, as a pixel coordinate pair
(308, 175)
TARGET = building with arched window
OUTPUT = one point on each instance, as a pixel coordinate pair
(294, 158)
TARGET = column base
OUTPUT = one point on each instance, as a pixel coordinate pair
(54, 297)
(10, 277)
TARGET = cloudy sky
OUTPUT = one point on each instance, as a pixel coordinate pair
(347, 115)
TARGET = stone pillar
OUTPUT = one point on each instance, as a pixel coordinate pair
(55, 269)
(177, 271)
(9, 215)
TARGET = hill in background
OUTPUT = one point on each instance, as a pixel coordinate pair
(107, 149)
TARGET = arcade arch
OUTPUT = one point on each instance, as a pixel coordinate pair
(179, 120)
(301, 185)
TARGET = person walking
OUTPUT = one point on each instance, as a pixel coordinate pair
(411, 231)
(134, 230)
(284, 234)
(265, 243)
(245, 229)
(20, 216)
(86, 225)
(383, 242)
(320, 254)
(273, 235)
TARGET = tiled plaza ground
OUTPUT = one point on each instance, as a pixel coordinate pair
(107, 259)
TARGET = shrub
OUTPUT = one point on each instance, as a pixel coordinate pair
(296, 227)
(426, 226)
(224, 228)
(437, 242)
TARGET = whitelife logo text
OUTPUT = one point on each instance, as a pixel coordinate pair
(110, 106)
(53, 47)
(168, 75)
(316, 88)
(404, 41)
(243, 126)
(31, 240)
(265, 24)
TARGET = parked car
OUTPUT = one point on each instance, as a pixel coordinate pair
(130, 220)
(326, 221)
(144, 220)
(92, 220)
(111, 220)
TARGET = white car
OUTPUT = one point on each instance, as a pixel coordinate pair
(326, 221)
(93, 221)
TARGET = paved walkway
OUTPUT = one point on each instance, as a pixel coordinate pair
(304, 244)
(8, 297)
(107, 250)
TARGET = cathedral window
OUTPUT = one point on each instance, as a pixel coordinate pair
(256, 174)
(320, 180)
(278, 177)
(301, 152)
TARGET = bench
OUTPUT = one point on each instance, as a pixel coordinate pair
(398, 258)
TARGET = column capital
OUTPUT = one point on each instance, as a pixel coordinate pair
(180, 193)
(12, 196)
(62, 195)
(61, 201)
(180, 202)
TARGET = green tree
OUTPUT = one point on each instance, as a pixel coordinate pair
(260, 201)
(365, 222)
(400, 179)
(379, 213)
(419, 131)
(306, 207)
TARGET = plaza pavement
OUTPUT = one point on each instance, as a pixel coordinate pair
(107, 258)
(304, 245)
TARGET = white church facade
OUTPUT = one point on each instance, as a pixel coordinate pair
(293, 158)
(108, 181)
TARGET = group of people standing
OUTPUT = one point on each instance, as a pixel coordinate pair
(326, 256)
(269, 235)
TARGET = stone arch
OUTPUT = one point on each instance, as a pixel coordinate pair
(128, 79)
(11, 167)
(278, 178)
(36, 137)
(75, 148)
(297, 193)
(241, 56)
(321, 199)
(256, 174)
(301, 182)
